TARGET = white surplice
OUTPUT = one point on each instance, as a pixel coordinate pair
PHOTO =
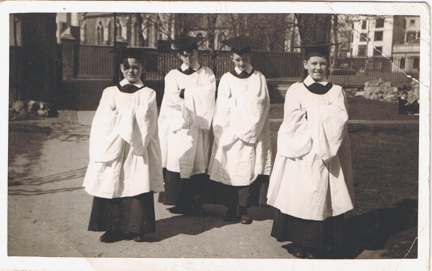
(312, 174)
(125, 155)
(242, 148)
(184, 124)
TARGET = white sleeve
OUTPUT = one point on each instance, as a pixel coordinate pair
(105, 141)
(146, 122)
(221, 122)
(328, 124)
(294, 138)
(199, 101)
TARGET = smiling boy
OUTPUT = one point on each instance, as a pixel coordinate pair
(312, 184)
(125, 167)
(241, 154)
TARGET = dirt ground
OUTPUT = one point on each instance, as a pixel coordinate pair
(48, 211)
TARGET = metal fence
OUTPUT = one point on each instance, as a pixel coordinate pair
(95, 61)
(98, 62)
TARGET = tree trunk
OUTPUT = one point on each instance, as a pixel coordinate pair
(314, 28)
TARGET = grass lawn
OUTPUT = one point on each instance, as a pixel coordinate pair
(385, 164)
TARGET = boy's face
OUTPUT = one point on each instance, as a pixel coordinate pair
(316, 67)
(189, 58)
(131, 69)
(241, 61)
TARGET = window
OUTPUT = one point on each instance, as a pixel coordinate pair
(362, 50)
(364, 24)
(378, 36)
(378, 65)
(221, 38)
(412, 22)
(147, 34)
(411, 36)
(377, 51)
(402, 63)
(100, 34)
(416, 63)
(379, 22)
(200, 43)
(118, 28)
(363, 37)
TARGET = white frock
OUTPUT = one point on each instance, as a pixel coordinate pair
(242, 148)
(125, 156)
(312, 174)
(184, 124)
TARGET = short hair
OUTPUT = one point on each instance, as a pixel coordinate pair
(320, 51)
(135, 53)
(239, 45)
(186, 44)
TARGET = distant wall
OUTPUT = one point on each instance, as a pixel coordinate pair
(84, 95)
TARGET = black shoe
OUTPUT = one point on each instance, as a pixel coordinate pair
(139, 239)
(230, 215)
(111, 237)
(134, 236)
(313, 253)
(299, 252)
(245, 219)
(179, 210)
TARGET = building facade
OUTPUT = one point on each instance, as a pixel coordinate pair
(394, 37)
(406, 54)
(104, 29)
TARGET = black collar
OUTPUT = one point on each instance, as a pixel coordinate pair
(128, 88)
(242, 75)
(189, 70)
(318, 88)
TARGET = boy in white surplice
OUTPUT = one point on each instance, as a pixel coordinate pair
(311, 183)
(125, 165)
(241, 155)
(184, 130)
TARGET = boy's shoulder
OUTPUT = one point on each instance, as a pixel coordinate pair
(206, 69)
(110, 88)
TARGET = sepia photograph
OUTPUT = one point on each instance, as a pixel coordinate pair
(216, 135)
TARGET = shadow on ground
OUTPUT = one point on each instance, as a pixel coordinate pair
(194, 225)
(372, 230)
(26, 140)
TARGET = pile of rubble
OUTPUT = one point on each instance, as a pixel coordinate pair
(379, 90)
(384, 91)
(20, 110)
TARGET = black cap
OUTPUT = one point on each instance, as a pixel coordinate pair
(239, 45)
(316, 49)
(136, 53)
(186, 43)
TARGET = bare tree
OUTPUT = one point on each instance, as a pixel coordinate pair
(314, 28)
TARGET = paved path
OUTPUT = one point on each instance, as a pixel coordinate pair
(48, 213)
